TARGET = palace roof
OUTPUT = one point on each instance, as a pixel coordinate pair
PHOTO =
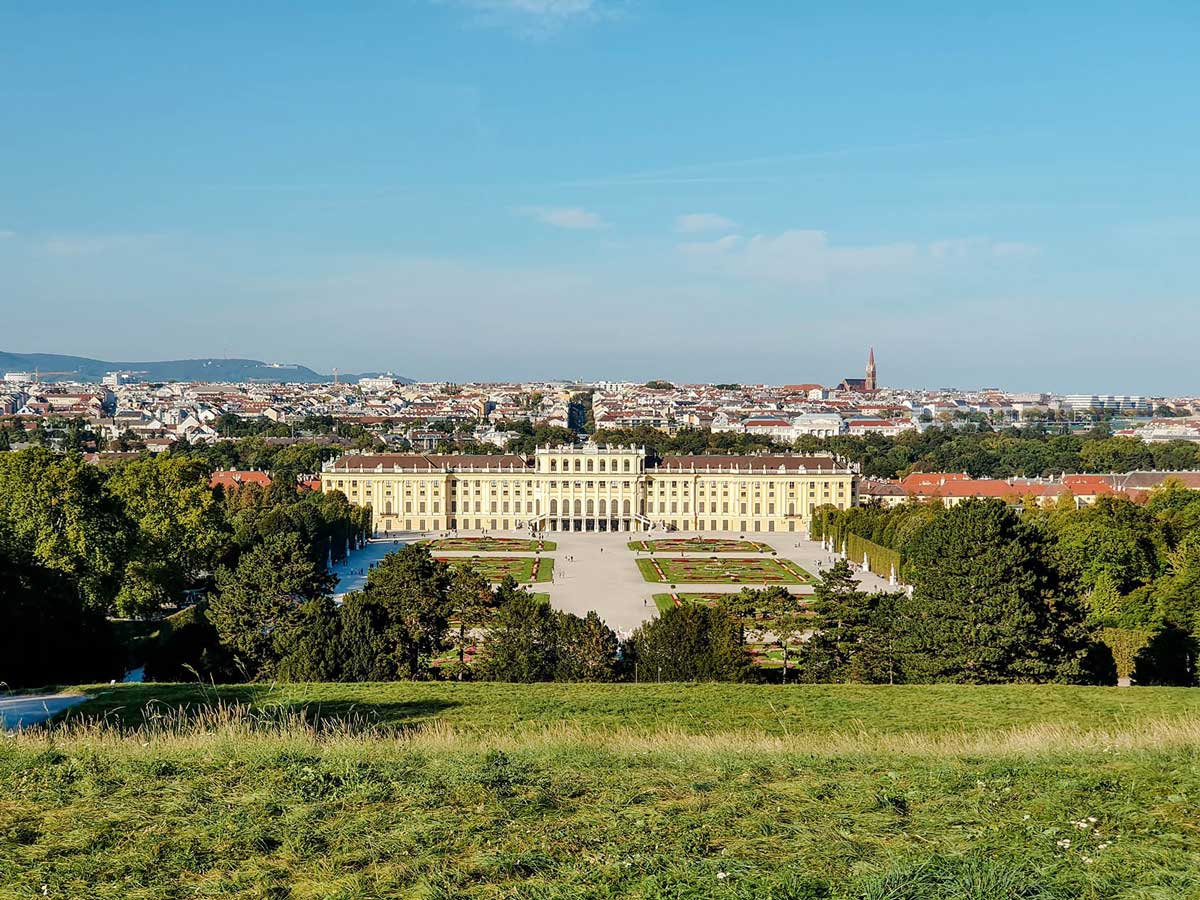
(382, 462)
(749, 464)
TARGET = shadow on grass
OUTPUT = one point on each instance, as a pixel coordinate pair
(133, 705)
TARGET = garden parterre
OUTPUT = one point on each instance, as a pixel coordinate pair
(524, 569)
(700, 545)
(489, 545)
(722, 570)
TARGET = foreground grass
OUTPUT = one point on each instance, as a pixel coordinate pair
(698, 709)
(240, 805)
(577, 791)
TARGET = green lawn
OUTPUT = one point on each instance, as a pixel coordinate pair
(490, 545)
(495, 568)
(755, 572)
(701, 545)
(640, 791)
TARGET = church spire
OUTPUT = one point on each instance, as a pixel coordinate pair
(870, 384)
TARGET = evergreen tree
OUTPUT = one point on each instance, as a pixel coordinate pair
(471, 601)
(985, 605)
(258, 605)
(412, 589)
(364, 652)
(587, 649)
(313, 652)
(854, 634)
(690, 643)
(522, 640)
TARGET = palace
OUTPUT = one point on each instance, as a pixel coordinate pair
(591, 488)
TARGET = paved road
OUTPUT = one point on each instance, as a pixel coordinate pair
(23, 711)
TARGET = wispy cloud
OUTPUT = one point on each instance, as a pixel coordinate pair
(808, 257)
(976, 248)
(694, 222)
(90, 245)
(534, 18)
(6, 233)
(572, 217)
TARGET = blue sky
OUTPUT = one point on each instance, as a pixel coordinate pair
(474, 189)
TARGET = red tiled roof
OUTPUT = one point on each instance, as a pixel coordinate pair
(236, 479)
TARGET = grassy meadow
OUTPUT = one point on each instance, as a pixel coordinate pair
(599, 791)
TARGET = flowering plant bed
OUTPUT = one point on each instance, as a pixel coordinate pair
(490, 545)
(701, 545)
(723, 571)
(525, 569)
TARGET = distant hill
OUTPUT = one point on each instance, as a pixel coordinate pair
(80, 368)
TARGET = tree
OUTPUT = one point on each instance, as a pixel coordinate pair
(854, 636)
(312, 651)
(781, 614)
(188, 647)
(180, 528)
(411, 591)
(690, 643)
(985, 605)
(470, 604)
(363, 648)
(522, 641)
(259, 605)
(587, 649)
(59, 508)
(48, 635)
(1113, 537)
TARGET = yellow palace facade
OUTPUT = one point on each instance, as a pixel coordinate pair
(591, 488)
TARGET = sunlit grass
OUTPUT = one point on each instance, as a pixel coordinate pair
(499, 791)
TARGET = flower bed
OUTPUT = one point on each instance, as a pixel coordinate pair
(490, 545)
(701, 545)
(723, 571)
(525, 569)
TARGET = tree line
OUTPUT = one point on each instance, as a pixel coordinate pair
(272, 618)
(81, 543)
(1129, 572)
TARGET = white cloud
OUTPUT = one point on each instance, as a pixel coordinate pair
(534, 18)
(798, 256)
(693, 222)
(6, 234)
(572, 217)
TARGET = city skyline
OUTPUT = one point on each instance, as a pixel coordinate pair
(494, 189)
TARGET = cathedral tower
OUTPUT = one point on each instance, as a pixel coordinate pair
(870, 384)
